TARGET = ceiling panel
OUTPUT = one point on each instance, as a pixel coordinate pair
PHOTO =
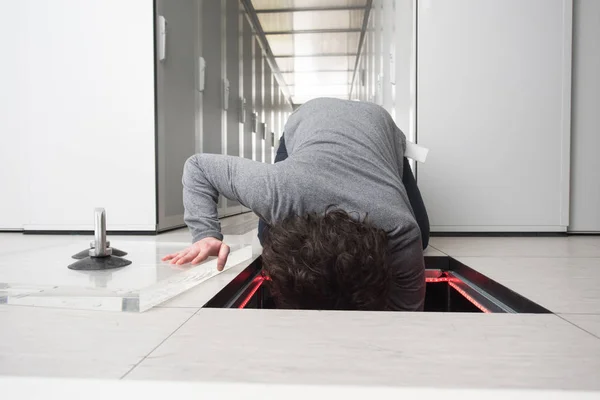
(307, 20)
(314, 43)
(273, 4)
(320, 90)
(301, 44)
(305, 64)
(276, 21)
(304, 99)
(317, 78)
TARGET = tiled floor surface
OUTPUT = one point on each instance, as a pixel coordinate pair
(180, 341)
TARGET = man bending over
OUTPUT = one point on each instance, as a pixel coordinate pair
(343, 224)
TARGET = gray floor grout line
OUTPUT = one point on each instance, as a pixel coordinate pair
(577, 326)
(157, 346)
(579, 313)
(435, 248)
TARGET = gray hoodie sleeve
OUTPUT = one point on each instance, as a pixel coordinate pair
(251, 183)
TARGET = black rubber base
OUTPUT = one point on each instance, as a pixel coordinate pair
(85, 253)
(99, 263)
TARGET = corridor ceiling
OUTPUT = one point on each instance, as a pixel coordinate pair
(314, 43)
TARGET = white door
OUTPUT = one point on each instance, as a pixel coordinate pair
(493, 107)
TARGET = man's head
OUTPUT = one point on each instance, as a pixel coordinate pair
(327, 262)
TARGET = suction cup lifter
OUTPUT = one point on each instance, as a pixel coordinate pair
(100, 256)
(100, 248)
(103, 249)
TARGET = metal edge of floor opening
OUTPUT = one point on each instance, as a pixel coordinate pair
(486, 294)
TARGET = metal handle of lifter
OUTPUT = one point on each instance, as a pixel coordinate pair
(101, 248)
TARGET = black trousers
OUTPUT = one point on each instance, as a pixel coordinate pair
(410, 184)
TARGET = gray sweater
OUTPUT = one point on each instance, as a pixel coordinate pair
(343, 153)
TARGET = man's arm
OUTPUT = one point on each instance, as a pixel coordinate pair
(251, 183)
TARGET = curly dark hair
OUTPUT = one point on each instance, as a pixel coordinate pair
(327, 262)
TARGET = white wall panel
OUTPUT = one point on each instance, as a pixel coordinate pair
(178, 108)
(248, 67)
(494, 108)
(404, 67)
(86, 82)
(388, 20)
(585, 162)
(13, 117)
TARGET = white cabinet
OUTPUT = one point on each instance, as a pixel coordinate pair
(493, 106)
(585, 162)
(91, 117)
(83, 122)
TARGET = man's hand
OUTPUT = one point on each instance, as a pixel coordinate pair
(200, 251)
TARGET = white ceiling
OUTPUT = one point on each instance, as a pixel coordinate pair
(314, 43)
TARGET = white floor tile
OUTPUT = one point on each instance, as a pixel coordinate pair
(572, 246)
(197, 297)
(397, 349)
(393, 349)
(96, 389)
(34, 271)
(16, 243)
(182, 235)
(239, 224)
(239, 219)
(562, 285)
(69, 343)
(41, 277)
